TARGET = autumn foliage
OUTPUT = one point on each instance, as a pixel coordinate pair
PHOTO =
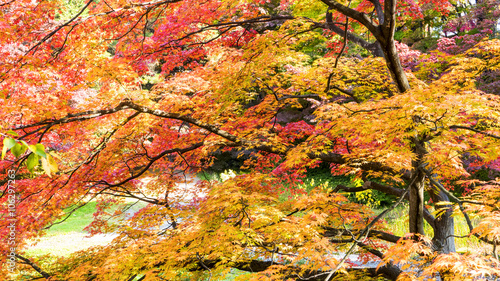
(118, 101)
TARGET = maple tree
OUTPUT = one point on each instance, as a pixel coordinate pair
(112, 100)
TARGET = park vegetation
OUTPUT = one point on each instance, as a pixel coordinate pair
(114, 101)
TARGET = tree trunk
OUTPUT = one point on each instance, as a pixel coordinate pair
(395, 67)
(444, 225)
(417, 185)
(416, 212)
(386, 39)
(383, 32)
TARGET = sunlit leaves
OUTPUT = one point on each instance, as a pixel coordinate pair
(37, 155)
(269, 94)
(8, 143)
(18, 149)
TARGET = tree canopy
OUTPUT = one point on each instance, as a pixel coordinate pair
(112, 101)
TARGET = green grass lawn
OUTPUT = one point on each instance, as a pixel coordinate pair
(83, 216)
(76, 222)
(69, 236)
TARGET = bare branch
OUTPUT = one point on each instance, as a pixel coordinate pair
(151, 162)
(374, 47)
(474, 130)
(378, 9)
(34, 266)
(358, 16)
(7, 3)
(310, 96)
(336, 232)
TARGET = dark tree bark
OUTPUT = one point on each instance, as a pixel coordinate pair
(388, 190)
(34, 266)
(383, 33)
(443, 240)
(387, 29)
(389, 271)
(416, 210)
(417, 185)
(373, 47)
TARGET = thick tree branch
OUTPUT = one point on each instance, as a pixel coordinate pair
(364, 165)
(232, 24)
(336, 232)
(389, 24)
(373, 48)
(34, 266)
(358, 16)
(384, 33)
(87, 115)
(307, 96)
(236, 141)
(379, 10)
(454, 199)
(344, 43)
(388, 270)
(474, 130)
(295, 273)
(346, 92)
(125, 105)
(151, 162)
(365, 232)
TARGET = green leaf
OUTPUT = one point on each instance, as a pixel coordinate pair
(18, 150)
(40, 150)
(32, 162)
(32, 148)
(12, 133)
(9, 143)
